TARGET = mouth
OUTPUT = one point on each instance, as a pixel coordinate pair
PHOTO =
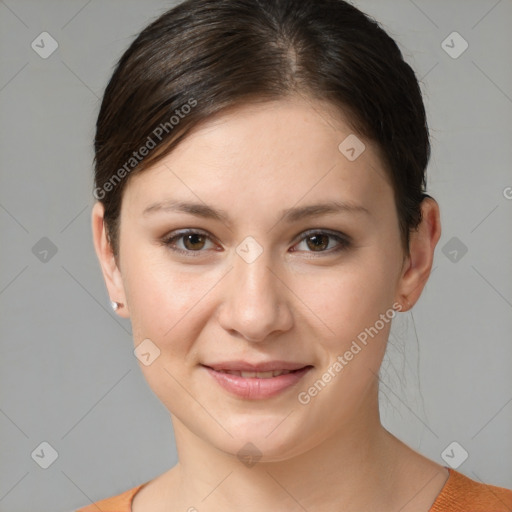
(257, 375)
(257, 381)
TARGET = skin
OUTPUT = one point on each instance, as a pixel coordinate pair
(294, 302)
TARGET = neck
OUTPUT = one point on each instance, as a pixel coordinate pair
(354, 467)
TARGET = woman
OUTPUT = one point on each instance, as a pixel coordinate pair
(261, 218)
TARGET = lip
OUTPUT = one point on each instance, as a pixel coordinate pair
(254, 388)
(263, 366)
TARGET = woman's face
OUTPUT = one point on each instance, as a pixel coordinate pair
(268, 278)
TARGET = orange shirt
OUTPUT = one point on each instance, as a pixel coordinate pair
(459, 494)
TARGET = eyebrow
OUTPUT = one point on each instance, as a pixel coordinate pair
(288, 215)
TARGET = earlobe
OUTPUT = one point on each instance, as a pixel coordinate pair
(109, 267)
(422, 244)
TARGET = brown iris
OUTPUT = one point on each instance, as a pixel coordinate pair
(318, 241)
(190, 241)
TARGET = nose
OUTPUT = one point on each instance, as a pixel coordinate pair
(256, 300)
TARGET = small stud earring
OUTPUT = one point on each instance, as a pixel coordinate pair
(115, 305)
(401, 304)
(406, 300)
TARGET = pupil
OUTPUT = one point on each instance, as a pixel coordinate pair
(318, 239)
(191, 236)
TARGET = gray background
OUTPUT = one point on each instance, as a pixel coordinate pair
(68, 373)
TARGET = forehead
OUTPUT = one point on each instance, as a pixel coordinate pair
(267, 154)
(292, 128)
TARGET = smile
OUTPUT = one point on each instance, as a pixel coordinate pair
(257, 385)
(258, 375)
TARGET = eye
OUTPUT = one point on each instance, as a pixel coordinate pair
(194, 241)
(318, 241)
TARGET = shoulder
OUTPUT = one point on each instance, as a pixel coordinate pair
(119, 503)
(462, 494)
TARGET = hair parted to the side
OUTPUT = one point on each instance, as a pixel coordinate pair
(204, 56)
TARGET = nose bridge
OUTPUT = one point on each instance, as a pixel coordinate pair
(254, 305)
(253, 272)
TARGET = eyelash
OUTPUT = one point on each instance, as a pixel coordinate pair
(343, 241)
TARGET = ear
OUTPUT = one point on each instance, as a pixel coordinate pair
(108, 263)
(418, 264)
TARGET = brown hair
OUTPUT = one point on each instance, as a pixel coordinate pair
(204, 56)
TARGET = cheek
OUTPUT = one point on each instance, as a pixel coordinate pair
(348, 299)
(355, 302)
(167, 303)
(167, 306)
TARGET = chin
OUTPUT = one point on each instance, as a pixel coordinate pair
(264, 439)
